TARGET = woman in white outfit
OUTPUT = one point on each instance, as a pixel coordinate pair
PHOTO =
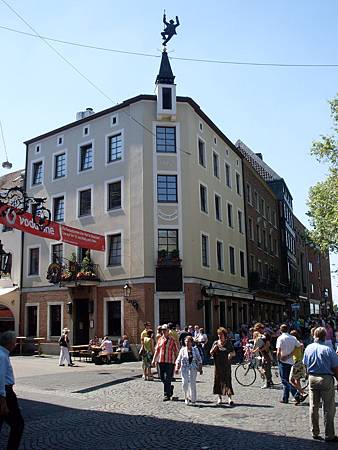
(64, 352)
(190, 362)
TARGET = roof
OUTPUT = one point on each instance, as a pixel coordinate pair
(165, 75)
(12, 179)
(130, 101)
(257, 163)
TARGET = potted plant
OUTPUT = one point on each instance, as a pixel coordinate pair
(175, 256)
(162, 256)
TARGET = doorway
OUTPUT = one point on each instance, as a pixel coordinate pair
(81, 321)
(169, 310)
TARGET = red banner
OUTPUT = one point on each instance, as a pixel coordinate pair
(25, 222)
(82, 238)
(54, 230)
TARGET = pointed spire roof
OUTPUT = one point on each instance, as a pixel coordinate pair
(165, 75)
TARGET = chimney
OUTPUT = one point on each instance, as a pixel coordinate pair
(82, 114)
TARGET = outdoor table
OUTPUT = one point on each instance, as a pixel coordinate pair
(21, 339)
(38, 341)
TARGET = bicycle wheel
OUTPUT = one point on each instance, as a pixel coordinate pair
(245, 374)
(275, 375)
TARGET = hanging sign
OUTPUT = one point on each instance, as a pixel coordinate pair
(82, 238)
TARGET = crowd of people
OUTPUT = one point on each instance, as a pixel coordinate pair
(302, 349)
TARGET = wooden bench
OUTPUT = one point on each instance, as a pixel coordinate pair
(117, 356)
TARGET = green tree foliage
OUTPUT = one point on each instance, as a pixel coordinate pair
(323, 196)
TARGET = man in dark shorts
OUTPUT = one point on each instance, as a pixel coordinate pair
(263, 345)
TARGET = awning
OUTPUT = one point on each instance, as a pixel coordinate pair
(232, 294)
(4, 291)
(5, 313)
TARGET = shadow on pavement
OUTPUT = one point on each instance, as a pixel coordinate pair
(56, 427)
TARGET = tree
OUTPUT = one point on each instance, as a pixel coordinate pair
(323, 196)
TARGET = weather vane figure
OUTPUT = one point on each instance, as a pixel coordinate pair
(170, 29)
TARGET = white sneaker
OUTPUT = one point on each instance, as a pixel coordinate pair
(187, 401)
(219, 401)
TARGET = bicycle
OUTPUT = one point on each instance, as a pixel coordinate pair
(246, 372)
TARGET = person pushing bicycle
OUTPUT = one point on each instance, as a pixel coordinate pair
(262, 344)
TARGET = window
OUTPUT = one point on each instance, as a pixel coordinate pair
(250, 226)
(169, 310)
(55, 320)
(33, 255)
(255, 200)
(240, 221)
(238, 184)
(81, 253)
(232, 260)
(201, 153)
(113, 121)
(201, 126)
(60, 140)
(310, 267)
(248, 193)
(166, 98)
(32, 321)
(219, 254)
(59, 209)
(60, 165)
(114, 250)
(114, 195)
(167, 241)
(311, 288)
(37, 173)
(275, 247)
(167, 188)
(85, 201)
(259, 236)
(274, 221)
(268, 213)
(204, 198)
(262, 206)
(85, 131)
(215, 163)
(218, 208)
(259, 267)
(6, 228)
(227, 175)
(242, 263)
(230, 219)
(114, 318)
(252, 263)
(57, 254)
(265, 242)
(166, 139)
(205, 251)
(270, 243)
(86, 157)
(115, 148)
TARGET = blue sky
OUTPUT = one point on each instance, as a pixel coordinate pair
(276, 111)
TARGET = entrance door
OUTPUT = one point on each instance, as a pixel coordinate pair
(81, 321)
(169, 310)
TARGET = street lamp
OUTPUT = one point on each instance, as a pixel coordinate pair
(210, 290)
(126, 295)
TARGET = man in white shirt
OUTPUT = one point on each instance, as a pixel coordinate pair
(285, 347)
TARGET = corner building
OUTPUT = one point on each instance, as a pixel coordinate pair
(164, 185)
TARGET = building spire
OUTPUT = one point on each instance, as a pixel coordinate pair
(165, 75)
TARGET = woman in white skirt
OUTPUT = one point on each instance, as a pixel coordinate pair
(64, 351)
(190, 362)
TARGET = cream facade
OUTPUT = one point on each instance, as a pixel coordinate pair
(165, 187)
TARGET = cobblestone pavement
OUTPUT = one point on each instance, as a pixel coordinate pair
(111, 407)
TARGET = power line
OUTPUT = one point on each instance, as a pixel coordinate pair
(150, 55)
(36, 34)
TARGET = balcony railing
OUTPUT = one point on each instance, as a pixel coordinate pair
(71, 272)
(168, 258)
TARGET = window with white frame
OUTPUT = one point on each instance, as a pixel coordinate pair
(57, 253)
(230, 215)
(32, 320)
(215, 164)
(55, 320)
(232, 266)
(165, 139)
(228, 175)
(114, 195)
(85, 202)
(240, 221)
(167, 241)
(202, 158)
(205, 250)
(167, 188)
(59, 209)
(242, 263)
(204, 198)
(59, 140)
(114, 250)
(86, 157)
(37, 176)
(220, 255)
(60, 165)
(115, 147)
(218, 208)
(251, 231)
(33, 261)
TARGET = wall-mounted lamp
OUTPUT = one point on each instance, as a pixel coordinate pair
(69, 307)
(126, 295)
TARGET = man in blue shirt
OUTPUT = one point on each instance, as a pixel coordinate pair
(9, 408)
(322, 365)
